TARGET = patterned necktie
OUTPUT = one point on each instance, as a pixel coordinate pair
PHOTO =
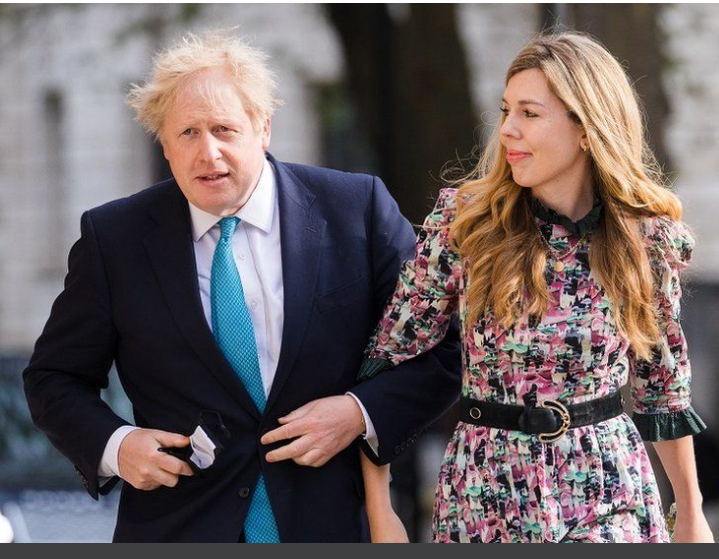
(232, 328)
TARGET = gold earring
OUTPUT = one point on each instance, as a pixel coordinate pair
(585, 148)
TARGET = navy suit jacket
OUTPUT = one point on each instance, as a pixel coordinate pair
(131, 297)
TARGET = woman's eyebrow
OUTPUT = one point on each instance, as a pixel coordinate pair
(526, 102)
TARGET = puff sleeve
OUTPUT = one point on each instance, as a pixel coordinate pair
(418, 314)
(660, 386)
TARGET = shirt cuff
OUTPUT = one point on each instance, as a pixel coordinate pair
(109, 464)
(370, 435)
(657, 427)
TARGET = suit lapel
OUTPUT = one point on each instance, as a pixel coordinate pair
(172, 255)
(301, 232)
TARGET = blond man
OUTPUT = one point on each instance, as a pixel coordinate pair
(238, 293)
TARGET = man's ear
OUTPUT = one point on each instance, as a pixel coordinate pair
(266, 133)
(162, 144)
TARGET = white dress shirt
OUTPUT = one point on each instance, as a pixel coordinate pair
(258, 256)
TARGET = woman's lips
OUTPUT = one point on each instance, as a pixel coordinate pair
(516, 156)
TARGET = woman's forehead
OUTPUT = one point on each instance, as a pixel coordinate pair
(530, 86)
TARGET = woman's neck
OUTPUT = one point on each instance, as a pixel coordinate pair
(574, 202)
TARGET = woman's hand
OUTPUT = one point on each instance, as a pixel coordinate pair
(677, 456)
(384, 524)
(387, 528)
(692, 528)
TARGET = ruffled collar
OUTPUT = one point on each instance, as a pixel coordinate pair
(575, 228)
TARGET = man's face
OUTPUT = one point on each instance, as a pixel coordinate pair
(215, 153)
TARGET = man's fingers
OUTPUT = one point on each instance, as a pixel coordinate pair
(170, 439)
(166, 478)
(313, 458)
(297, 414)
(290, 451)
(289, 431)
(186, 470)
(174, 465)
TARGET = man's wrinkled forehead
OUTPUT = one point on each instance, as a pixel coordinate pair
(208, 94)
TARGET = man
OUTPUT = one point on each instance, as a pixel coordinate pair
(241, 290)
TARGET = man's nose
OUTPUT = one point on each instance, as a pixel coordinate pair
(209, 149)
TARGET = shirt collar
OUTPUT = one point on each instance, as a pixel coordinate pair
(576, 228)
(258, 211)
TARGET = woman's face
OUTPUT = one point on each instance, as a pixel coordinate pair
(543, 143)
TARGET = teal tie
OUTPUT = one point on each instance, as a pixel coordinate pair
(232, 327)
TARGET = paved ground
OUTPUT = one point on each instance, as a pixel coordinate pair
(61, 516)
(66, 516)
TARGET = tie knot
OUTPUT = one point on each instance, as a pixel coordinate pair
(227, 226)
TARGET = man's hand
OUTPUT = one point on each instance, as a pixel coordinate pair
(324, 427)
(144, 467)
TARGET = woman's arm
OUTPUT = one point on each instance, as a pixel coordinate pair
(677, 457)
(385, 525)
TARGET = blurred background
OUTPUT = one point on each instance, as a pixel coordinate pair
(398, 90)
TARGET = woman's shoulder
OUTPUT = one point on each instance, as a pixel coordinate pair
(445, 209)
(669, 239)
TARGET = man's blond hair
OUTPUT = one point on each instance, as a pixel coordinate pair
(217, 49)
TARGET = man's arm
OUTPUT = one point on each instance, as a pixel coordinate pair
(405, 400)
(70, 367)
(71, 362)
(401, 402)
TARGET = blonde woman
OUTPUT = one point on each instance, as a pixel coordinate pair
(562, 255)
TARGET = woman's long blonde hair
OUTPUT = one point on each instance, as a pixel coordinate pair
(495, 232)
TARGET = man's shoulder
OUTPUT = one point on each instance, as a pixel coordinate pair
(324, 177)
(139, 202)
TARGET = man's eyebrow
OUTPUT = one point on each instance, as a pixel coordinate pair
(526, 102)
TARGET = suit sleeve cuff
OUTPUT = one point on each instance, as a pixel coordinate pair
(657, 427)
(109, 464)
(370, 435)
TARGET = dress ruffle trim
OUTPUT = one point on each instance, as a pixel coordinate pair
(371, 367)
(657, 427)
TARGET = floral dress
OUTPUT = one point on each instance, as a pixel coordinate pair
(596, 484)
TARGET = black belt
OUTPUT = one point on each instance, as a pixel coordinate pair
(549, 419)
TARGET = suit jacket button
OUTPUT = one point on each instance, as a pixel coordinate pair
(398, 450)
(244, 493)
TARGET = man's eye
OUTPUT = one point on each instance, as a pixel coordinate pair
(187, 132)
(223, 129)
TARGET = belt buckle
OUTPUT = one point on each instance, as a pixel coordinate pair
(563, 414)
(475, 413)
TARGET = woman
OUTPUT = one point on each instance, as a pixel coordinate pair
(562, 256)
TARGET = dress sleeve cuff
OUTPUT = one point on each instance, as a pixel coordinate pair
(657, 427)
(371, 367)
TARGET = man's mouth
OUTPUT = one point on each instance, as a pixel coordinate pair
(214, 177)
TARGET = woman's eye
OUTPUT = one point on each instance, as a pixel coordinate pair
(504, 110)
(530, 114)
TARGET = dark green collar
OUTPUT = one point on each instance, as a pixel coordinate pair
(576, 228)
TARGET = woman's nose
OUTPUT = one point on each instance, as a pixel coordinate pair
(509, 127)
